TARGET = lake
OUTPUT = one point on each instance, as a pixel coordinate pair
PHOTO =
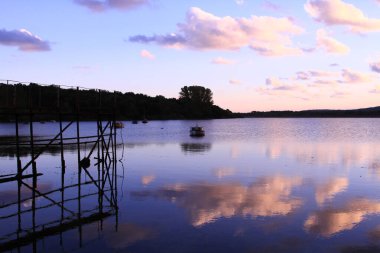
(249, 185)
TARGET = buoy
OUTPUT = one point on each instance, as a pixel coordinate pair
(85, 163)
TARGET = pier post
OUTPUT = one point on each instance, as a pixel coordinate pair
(34, 167)
(79, 166)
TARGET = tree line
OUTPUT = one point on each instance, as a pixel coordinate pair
(194, 102)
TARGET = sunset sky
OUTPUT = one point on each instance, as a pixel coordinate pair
(253, 54)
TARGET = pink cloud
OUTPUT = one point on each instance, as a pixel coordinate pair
(338, 12)
(275, 83)
(146, 54)
(376, 89)
(351, 76)
(271, 6)
(235, 82)
(322, 73)
(100, 6)
(375, 66)
(222, 61)
(320, 83)
(268, 36)
(329, 44)
(307, 75)
(24, 40)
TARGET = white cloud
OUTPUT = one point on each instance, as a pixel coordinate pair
(329, 44)
(24, 40)
(239, 2)
(146, 54)
(338, 12)
(222, 61)
(267, 36)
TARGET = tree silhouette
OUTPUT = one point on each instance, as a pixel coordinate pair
(196, 95)
(196, 102)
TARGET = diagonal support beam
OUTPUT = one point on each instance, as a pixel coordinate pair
(46, 197)
(47, 145)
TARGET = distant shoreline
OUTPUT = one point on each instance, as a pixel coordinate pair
(262, 117)
(371, 112)
(48, 103)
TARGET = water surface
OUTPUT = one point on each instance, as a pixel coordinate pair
(249, 185)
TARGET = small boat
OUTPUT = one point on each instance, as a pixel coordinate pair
(119, 124)
(197, 131)
(144, 121)
(135, 121)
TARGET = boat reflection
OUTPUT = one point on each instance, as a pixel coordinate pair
(195, 147)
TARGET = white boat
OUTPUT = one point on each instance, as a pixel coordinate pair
(119, 124)
(197, 131)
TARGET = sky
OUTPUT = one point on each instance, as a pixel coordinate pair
(255, 55)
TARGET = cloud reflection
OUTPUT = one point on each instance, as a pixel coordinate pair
(223, 172)
(127, 235)
(325, 153)
(205, 203)
(327, 191)
(331, 221)
(374, 234)
(9, 196)
(146, 180)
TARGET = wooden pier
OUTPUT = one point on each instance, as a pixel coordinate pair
(96, 162)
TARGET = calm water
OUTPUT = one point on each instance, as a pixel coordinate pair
(249, 185)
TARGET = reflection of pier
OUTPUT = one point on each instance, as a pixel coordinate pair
(96, 184)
